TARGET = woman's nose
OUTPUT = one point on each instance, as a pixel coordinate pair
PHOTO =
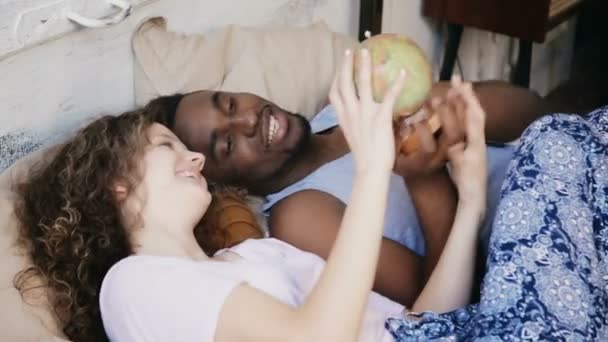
(198, 159)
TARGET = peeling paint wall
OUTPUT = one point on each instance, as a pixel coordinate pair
(55, 75)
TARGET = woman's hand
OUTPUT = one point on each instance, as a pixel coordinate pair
(468, 160)
(366, 124)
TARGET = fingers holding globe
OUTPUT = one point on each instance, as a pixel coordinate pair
(389, 54)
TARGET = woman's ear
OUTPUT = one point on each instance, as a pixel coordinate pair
(120, 191)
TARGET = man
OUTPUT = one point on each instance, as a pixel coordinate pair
(304, 170)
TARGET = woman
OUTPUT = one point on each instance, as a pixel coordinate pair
(110, 221)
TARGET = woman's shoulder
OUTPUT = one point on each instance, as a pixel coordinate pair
(143, 296)
(134, 271)
(140, 279)
(127, 282)
(138, 264)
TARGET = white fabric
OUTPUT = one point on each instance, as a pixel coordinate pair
(151, 298)
(292, 67)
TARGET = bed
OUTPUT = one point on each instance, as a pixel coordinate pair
(56, 74)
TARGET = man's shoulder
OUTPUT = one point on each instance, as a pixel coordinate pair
(303, 212)
(306, 205)
(303, 200)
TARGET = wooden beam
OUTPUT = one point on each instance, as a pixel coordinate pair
(370, 17)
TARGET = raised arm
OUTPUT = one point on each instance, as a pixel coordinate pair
(450, 284)
(334, 309)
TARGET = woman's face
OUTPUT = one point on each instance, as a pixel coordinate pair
(172, 187)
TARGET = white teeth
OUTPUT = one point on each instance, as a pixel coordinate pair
(274, 127)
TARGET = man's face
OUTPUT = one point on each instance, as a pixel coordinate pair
(245, 138)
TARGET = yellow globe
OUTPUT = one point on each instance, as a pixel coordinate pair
(389, 54)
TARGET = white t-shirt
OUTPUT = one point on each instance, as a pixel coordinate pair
(154, 298)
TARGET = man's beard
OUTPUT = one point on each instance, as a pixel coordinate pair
(300, 146)
(304, 140)
(295, 153)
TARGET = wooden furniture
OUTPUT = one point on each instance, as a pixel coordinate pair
(370, 17)
(527, 20)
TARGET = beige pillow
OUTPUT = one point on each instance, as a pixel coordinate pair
(292, 67)
(29, 320)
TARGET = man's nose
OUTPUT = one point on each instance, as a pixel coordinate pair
(246, 122)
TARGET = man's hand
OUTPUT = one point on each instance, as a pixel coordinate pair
(432, 154)
(468, 161)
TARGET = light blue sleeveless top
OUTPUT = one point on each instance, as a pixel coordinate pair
(401, 223)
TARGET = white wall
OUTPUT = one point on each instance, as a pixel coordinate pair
(484, 55)
(405, 16)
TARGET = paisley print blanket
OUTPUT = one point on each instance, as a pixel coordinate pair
(547, 270)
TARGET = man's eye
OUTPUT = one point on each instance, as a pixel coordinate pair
(229, 145)
(231, 105)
